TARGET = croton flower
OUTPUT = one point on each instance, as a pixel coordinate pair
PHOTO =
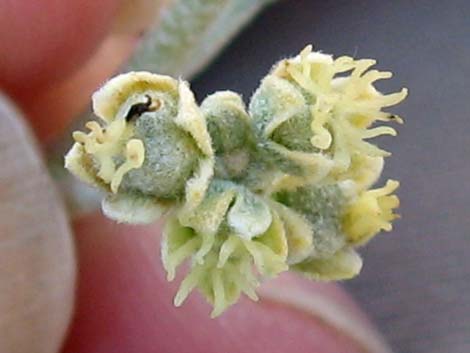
(247, 193)
(151, 150)
(312, 118)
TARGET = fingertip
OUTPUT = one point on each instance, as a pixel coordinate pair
(50, 110)
(37, 262)
(43, 41)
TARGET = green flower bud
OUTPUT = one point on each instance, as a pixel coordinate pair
(229, 125)
(153, 142)
(344, 264)
(227, 121)
(303, 106)
(362, 217)
(338, 218)
(322, 207)
(275, 102)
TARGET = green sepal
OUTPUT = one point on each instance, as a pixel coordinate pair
(345, 264)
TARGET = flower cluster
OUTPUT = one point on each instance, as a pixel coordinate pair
(248, 192)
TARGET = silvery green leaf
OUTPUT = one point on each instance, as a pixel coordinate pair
(191, 32)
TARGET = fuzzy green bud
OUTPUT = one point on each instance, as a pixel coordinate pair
(228, 124)
(151, 144)
(305, 106)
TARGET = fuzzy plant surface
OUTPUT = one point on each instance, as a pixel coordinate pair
(186, 36)
(284, 184)
(190, 33)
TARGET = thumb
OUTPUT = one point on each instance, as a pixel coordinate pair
(37, 267)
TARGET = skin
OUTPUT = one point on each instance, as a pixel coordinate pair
(92, 285)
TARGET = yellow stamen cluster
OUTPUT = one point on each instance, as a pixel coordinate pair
(371, 213)
(222, 265)
(104, 144)
(344, 107)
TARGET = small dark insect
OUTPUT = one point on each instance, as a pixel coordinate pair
(138, 109)
(395, 118)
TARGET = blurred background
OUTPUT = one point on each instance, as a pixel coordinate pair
(416, 280)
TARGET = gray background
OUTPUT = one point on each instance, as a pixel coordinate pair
(416, 281)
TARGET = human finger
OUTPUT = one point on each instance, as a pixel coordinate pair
(52, 109)
(43, 41)
(125, 305)
(37, 263)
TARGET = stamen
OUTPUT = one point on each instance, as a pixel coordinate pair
(378, 131)
(389, 187)
(187, 286)
(179, 255)
(207, 243)
(96, 131)
(79, 136)
(362, 66)
(135, 155)
(219, 292)
(322, 138)
(227, 249)
(303, 81)
(396, 118)
(306, 67)
(343, 63)
(394, 98)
